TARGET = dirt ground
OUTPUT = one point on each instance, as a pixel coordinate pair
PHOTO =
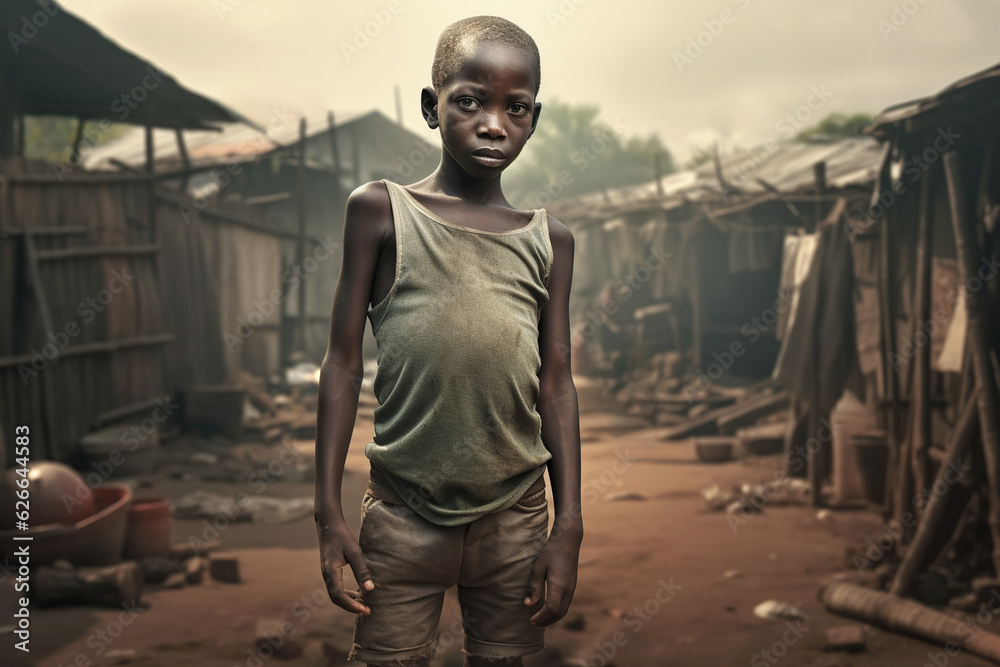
(652, 587)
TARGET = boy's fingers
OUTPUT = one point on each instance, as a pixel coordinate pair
(549, 613)
(340, 597)
(535, 586)
(346, 602)
(360, 568)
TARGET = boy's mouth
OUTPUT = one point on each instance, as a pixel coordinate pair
(490, 157)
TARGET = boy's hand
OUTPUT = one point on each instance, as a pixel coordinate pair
(554, 572)
(339, 547)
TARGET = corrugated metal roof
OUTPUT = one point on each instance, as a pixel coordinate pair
(381, 142)
(788, 168)
(981, 88)
(232, 142)
(57, 64)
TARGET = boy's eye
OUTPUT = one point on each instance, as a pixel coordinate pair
(468, 102)
(519, 109)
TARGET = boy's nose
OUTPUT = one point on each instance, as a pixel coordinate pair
(492, 126)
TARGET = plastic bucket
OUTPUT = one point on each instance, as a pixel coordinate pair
(149, 528)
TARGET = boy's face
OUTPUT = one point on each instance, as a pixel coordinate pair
(487, 109)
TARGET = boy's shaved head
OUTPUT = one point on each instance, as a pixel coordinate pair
(459, 40)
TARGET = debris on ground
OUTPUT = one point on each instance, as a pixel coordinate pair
(224, 568)
(850, 638)
(243, 507)
(754, 497)
(777, 610)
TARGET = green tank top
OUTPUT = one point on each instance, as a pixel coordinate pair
(457, 433)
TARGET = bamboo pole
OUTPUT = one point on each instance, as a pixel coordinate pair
(978, 340)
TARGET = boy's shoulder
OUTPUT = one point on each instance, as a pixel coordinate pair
(372, 198)
(560, 236)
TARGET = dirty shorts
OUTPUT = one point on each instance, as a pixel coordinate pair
(413, 562)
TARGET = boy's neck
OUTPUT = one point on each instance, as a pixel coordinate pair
(450, 179)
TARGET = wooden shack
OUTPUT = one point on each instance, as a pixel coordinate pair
(724, 227)
(111, 295)
(932, 241)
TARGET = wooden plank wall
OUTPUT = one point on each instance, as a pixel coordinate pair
(170, 306)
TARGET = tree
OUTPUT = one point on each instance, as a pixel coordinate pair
(573, 152)
(834, 127)
(51, 137)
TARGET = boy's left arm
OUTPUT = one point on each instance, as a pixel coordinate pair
(555, 569)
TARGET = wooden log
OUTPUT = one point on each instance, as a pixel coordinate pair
(906, 616)
(977, 308)
(112, 586)
(932, 521)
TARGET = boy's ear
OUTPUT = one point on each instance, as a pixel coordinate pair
(535, 113)
(428, 106)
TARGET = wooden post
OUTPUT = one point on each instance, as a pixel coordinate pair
(334, 147)
(356, 159)
(817, 460)
(150, 185)
(300, 248)
(899, 500)
(74, 155)
(20, 133)
(920, 409)
(35, 278)
(185, 158)
(977, 308)
(819, 176)
(8, 120)
(658, 171)
(933, 517)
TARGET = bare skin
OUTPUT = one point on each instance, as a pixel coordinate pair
(486, 107)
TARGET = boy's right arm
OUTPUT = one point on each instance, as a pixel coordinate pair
(368, 210)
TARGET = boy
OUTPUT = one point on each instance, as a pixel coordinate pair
(469, 306)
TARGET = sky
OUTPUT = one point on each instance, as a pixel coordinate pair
(726, 71)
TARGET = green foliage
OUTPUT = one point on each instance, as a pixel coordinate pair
(51, 137)
(835, 127)
(572, 152)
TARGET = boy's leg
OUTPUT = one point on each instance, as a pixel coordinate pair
(500, 550)
(412, 563)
